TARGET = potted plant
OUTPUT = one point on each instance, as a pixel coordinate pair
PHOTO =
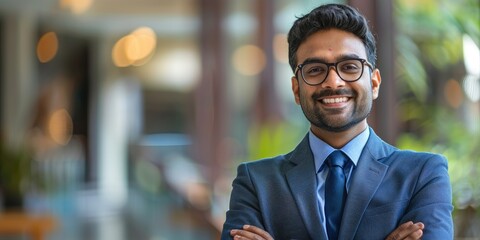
(15, 171)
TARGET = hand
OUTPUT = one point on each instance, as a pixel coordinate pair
(407, 231)
(250, 232)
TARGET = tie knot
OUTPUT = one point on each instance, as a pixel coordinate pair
(336, 159)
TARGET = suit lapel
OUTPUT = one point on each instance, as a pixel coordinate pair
(368, 175)
(301, 178)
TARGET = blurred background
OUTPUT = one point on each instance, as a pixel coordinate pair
(126, 119)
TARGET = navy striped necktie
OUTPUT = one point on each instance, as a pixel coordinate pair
(335, 192)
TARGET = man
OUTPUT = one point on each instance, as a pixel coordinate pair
(342, 181)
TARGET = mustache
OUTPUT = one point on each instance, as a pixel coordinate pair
(332, 92)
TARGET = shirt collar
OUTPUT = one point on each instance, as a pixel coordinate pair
(353, 149)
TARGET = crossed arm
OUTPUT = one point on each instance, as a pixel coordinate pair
(406, 231)
(430, 205)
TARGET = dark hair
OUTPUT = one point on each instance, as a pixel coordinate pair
(326, 17)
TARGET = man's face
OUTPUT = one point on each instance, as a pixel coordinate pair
(335, 105)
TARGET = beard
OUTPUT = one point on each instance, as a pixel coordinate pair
(330, 120)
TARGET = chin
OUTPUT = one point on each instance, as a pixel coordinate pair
(338, 128)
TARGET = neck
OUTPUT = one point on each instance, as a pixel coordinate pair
(339, 139)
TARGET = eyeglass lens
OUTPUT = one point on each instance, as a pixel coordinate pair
(317, 72)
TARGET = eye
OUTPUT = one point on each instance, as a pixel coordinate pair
(315, 69)
(350, 66)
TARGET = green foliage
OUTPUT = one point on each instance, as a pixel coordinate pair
(271, 139)
(14, 170)
(430, 32)
(446, 135)
(429, 44)
(411, 71)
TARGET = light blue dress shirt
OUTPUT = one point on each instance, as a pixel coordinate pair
(321, 150)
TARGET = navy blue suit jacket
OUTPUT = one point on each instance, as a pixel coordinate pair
(388, 187)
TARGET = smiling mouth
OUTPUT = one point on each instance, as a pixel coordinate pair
(334, 100)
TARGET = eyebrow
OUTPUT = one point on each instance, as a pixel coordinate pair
(323, 60)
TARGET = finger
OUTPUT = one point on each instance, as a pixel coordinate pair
(264, 234)
(238, 237)
(237, 232)
(245, 234)
(396, 234)
(415, 235)
(404, 230)
(421, 225)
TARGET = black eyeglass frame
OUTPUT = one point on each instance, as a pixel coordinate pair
(334, 65)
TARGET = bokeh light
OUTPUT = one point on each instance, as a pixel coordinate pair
(146, 42)
(471, 55)
(119, 54)
(60, 126)
(177, 68)
(453, 93)
(76, 6)
(280, 48)
(134, 49)
(249, 60)
(47, 47)
(471, 84)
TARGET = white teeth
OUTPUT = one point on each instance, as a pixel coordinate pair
(335, 100)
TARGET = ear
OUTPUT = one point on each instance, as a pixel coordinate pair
(376, 81)
(295, 89)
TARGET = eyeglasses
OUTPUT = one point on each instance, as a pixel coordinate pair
(349, 70)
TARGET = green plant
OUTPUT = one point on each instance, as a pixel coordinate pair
(15, 165)
(429, 43)
(271, 139)
(444, 134)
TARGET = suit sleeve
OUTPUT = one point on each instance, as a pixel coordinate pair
(244, 206)
(432, 200)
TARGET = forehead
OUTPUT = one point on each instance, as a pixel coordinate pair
(330, 45)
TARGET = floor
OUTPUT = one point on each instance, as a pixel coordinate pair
(82, 215)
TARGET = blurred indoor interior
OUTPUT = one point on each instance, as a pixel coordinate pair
(126, 119)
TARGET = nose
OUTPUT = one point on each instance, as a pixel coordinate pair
(333, 80)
